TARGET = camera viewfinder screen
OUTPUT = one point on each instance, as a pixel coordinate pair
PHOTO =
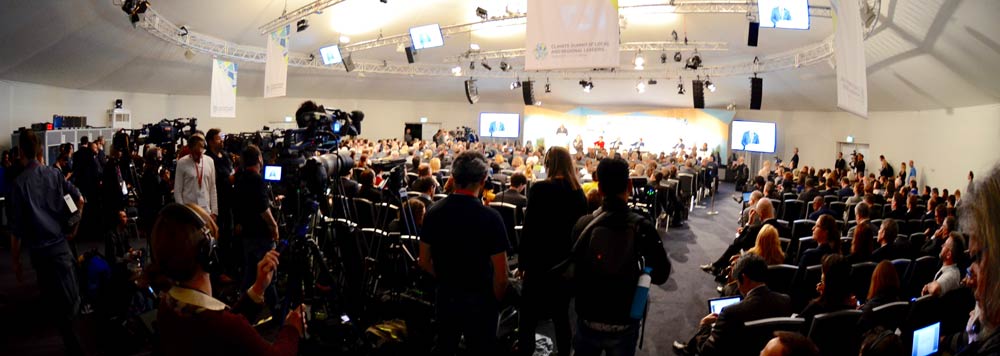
(272, 173)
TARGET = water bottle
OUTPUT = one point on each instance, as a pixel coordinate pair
(641, 294)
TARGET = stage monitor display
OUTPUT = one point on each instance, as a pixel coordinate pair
(754, 136)
(501, 125)
(925, 340)
(272, 173)
(787, 14)
(331, 55)
(427, 36)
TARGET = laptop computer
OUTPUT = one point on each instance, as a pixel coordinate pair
(925, 340)
(716, 305)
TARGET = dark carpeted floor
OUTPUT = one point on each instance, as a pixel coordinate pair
(676, 306)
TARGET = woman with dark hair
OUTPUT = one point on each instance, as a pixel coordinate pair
(862, 244)
(554, 206)
(834, 289)
(884, 289)
(826, 233)
(190, 320)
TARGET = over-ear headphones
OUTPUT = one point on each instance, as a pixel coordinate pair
(206, 247)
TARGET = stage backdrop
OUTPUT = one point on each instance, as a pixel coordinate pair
(659, 128)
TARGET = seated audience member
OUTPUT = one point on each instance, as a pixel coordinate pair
(189, 320)
(859, 190)
(407, 224)
(827, 236)
(911, 208)
(788, 183)
(832, 188)
(770, 192)
(820, 208)
(810, 191)
(834, 289)
(424, 186)
(846, 190)
(787, 343)
(884, 289)
(719, 334)
(351, 188)
(436, 170)
(862, 244)
(931, 212)
(745, 215)
(863, 213)
(934, 242)
(949, 277)
(768, 247)
(514, 195)
(368, 189)
(898, 207)
(891, 245)
(881, 342)
(748, 237)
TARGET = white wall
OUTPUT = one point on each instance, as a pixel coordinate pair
(944, 144)
(22, 104)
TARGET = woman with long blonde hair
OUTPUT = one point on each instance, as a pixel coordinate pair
(768, 246)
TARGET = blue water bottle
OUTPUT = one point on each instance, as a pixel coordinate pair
(641, 294)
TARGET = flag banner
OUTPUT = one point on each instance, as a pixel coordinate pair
(223, 88)
(849, 51)
(276, 68)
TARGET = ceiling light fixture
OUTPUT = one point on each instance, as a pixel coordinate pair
(709, 84)
(652, 81)
(677, 56)
(472, 65)
(680, 86)
(474, 46)
(548, 86)
(663, 58)
(504, 66)
(639, 61)
(302, 25)
(485, 64)
(456, 71)
(481, 13)
(673, 34)
(587, 85)
(134, 8)
(516, 83)
(183, 31)
(694, 62)
(640, 87)
(345, 39)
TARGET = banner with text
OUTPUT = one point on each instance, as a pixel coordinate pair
(276, 68)
(572, 34)
(849, 51)
(223, 88)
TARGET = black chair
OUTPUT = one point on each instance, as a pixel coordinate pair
(876, 224)
(921, 272)
(886, 209)
(957, 304)
(785, 243)
(915, 225)
(845, 245)
(838, 207)
(850, 212)
(804, 289)
(438, 197)
(509, 214)
(686, 190)
(861, 277)
(804, 244)
(924, 311)
(779, 278)
(836, 333)
(412, 194)
(789, 196)
(364, 214)
(849, 228)
(902, 265)
(802, 228)
(829, 199)
(917, 240)
(928, 224)
(793, 210)
(385, 214)
(891, 315)
(843, 227)
(876, 211)
(757, 333)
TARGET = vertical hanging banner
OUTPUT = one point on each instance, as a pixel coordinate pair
(276, 68)
(223, 88)
(849, 51)
(572, 34)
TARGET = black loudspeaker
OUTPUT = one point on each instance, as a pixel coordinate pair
(756, 92)
(348, 63)
(471, 91)
(752, 35)
(411, 55)
(698, 88)
(528, 91)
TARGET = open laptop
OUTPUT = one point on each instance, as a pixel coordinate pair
(925, 340)
(715, 305)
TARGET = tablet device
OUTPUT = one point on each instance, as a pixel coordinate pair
(925, 340)
(715, 305)
(272, 173)
(746, 196)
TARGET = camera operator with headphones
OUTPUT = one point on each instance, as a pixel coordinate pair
(190, 320)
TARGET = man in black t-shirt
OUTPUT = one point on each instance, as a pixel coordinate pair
(464, 244)
(255, 225)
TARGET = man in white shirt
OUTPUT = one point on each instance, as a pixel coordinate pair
(948, 278)
(194, 181)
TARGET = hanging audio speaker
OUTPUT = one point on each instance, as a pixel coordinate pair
(752, 34)
(698, 89)
(471, 91)
(348, 63)
(528, 91)
(411, 55)
(756, 92)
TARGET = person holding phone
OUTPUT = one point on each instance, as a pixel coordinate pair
(254, 223)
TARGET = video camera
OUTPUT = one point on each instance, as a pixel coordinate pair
(464, 134)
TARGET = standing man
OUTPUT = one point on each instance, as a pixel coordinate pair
(622, 241)
(407, 136)
(840, 165)
(195, 178)
(254, 222)
(224, 180)
(859, 165)
(471, 272)
(43, 204)
(795, 159)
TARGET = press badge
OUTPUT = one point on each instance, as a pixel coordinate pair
(70, 203)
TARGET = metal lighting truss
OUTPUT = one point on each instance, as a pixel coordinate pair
(166, 30)
(625, 47)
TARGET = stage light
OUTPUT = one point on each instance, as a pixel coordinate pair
(485, 64)
(639, 61)
(652, 82)
(183, 31)
(384, 1)
(673, 34)
(663, 58)
(587, 85)
(680, 86)
(504, 66)
(694, 62)
(677, 57)
(472, 65)
(709, 84)
(134, 8)
(481, 12)
(515, 84)
(640, 87)
(548, 87)
(456, 71)
(473, 46)
(345, 39)
(302, 25)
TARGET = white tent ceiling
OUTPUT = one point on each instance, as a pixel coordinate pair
(924, 54)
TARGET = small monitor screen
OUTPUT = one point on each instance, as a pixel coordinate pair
(790, 14)
(427, 36)
(272, 173)
(499, 125)
(754, 136)
(746, 196)
(716, 305)
(331, 55)
(925, 340)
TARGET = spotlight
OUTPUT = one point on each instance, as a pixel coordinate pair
(709, 84)
(384, 1)
(183, 31)
(587, 85)
(652, 82)
(548, 87)
(481, 12)
(515, 84)
(680, 86)
(694, 62)
(504, 66)
(472, 65)
(673, 34)
(312, 57)
(639, 61)
(473, 46)
(302, 25)
(345, 39)
(640, 87)
(134, 8)
(456, 71)
(677, 57)
(485, 64)
(663, 58)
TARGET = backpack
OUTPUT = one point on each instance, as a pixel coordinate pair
(599, 251)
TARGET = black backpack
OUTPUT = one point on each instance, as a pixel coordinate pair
(604, 253)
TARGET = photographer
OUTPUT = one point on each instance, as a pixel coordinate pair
(190, 320)
(255, 225)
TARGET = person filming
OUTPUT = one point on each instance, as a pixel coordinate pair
(190, 320)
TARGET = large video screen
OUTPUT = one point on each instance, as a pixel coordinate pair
(499, 125)
(331, 55)
(427, 36)
(790, 14)
(754, 136)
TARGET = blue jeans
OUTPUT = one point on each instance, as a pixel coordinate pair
(590, 342)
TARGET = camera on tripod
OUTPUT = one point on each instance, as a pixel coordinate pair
(464, 134)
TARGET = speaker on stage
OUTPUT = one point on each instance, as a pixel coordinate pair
(756, 92)
(528, 91)
(411, 55)
(752, 36)
(698, 88)
(471, 91)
